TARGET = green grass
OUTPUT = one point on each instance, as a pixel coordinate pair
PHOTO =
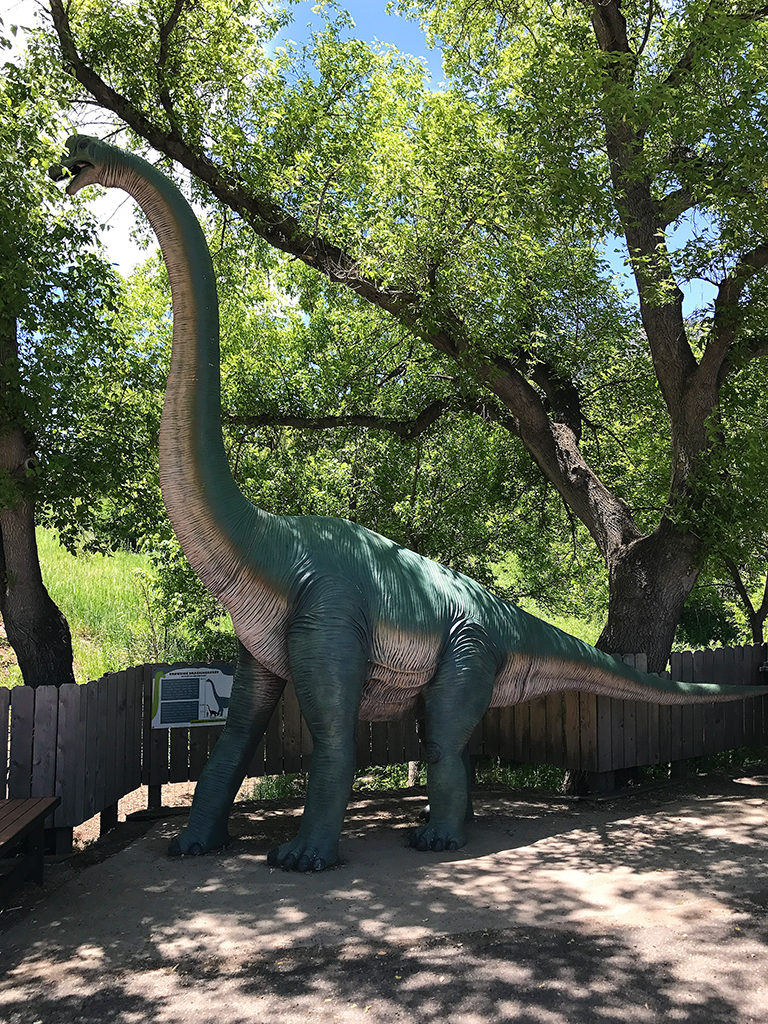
(102, 599)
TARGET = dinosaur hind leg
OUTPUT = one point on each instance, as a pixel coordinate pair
(255, 693)
(455, 701)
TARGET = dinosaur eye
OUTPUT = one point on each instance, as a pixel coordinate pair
(30, 464)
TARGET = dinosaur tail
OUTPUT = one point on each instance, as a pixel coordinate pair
(552, 661)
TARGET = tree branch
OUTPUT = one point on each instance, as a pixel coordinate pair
(407, 430)
(727, 315)
(674, 205)
(165, 31)
(610, 26)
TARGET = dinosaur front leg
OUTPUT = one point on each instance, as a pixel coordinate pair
(255, 693)
(328, 657)
(455, 701)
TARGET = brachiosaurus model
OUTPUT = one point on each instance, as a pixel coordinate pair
(361, 626)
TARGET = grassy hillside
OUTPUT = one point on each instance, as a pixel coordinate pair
(103, 600)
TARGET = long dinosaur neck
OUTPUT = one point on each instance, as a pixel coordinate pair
(205, 505)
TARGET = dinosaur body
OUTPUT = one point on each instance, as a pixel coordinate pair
(361, 626)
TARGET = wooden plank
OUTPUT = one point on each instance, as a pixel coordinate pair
(588, 731)
(379, 747)
(617, 733)
(195, 744)
(674, 713)
(704, 666)
(761, 703)
(396, 741)
(363, 745)
(629, 733)
(687, 732)
(22, 727)
(256, 767)
(5, 738)
(179, 758)
(722, 663)
(750, 709)
(514, 732)
(747, 710)
(46, 717)
(492, 732)
(90, 763)
(413, 749)
(699, 712)
(537, 735)
(146, 723)
(132, 778)
(110, 765)
(555, 725)
(70, 755)
(728, 667)
(632, 710)
(643, 719)
(18, 816)
(99, 718)
(571, 730)
(158, 740)
(603, 740)
(664, 732)
(120, 715)
(653, 712)
(21, 841)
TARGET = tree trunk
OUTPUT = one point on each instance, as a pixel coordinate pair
(650, 580)
(36, 629)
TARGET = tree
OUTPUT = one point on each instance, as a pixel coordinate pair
(472, 216)
(56, 299)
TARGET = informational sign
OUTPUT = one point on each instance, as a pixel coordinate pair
(182, 697)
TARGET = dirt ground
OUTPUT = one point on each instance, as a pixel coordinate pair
(649, 908)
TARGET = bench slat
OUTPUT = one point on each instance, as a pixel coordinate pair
(17, 817)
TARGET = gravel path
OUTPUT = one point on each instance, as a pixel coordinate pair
(647, 910)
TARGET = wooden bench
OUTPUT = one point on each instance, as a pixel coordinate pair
(21, 840)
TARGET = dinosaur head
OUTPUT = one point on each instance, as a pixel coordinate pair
(87, 161)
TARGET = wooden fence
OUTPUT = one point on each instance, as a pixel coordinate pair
(92, 744)
(82, 743)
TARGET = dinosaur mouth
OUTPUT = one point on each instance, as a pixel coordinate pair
(71, 171)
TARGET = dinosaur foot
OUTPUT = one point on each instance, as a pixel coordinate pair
(187, 844)
(436, 837)
(301, 855)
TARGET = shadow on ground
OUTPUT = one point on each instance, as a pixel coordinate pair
(649, 909)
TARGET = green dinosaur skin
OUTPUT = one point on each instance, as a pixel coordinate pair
(363, 627)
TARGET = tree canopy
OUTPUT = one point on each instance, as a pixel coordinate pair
(475, 216)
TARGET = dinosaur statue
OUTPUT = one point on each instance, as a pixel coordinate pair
(363, 627)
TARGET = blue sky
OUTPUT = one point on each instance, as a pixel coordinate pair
(371, 22)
